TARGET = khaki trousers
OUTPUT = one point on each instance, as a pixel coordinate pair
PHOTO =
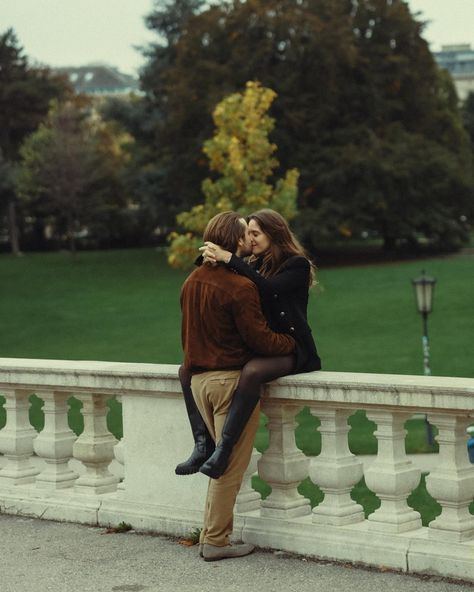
(213, 393)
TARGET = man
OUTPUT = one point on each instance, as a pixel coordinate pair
(223, 327)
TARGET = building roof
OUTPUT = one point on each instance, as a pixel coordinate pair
(99, 79)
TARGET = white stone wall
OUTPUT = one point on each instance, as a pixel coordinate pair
(95, 479)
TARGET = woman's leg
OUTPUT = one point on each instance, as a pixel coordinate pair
(254, 374)
(203, 443)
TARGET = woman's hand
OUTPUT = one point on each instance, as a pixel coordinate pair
(213, 253)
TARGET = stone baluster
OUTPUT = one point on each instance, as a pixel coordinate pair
(336, 470)
(248, 499)
(120, 457)
(54, 443)
(451, 483)
(16, 440)
(283, 465)
(392, 476)
(95, 447)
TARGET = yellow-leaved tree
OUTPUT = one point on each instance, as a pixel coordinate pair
(243, 158)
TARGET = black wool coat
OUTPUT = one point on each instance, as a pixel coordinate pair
(284, 299)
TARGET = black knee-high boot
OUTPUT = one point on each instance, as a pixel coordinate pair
(241, 408)
(203, 443)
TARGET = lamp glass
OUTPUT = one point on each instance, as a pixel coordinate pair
(424, 286)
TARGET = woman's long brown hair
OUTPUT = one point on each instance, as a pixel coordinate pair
(283, 243)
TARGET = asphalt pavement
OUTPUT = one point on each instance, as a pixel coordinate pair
(45, 556)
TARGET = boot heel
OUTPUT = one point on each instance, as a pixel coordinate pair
(216, 465)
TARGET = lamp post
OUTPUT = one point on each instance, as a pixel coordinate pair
(424, 287)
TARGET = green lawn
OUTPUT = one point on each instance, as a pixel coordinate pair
(124, 306)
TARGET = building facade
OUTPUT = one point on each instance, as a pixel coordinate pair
(459, 61)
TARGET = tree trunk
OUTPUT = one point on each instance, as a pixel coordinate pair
(13, 229)
(70, 236)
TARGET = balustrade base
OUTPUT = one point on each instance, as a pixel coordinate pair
(248, 502)
(388, 522)
(63, 482)
(438, 558)
(443, 534)
(87, 487)
(14, 476)
(336, 516)
(299, 508)
(145, 517)
(62, 505)
(413, 552)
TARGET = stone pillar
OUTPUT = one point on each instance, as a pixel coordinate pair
(283, 465)
(392, 476)
(95, 447)
(54, 443)
(451, 483)
(248, 499)
(16, 440)
(336, 470)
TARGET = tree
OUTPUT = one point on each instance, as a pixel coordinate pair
(162, 179)
(468, 117)
(69, 174)
(7, 201)
(352, 79)
(25, 94)
(242, 156)
(144, 174)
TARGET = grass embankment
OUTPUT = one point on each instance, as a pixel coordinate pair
(124, 306)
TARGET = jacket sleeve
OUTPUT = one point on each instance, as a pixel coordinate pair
(253, 327)
(292, 276)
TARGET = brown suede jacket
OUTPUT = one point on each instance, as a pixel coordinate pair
(223, 325)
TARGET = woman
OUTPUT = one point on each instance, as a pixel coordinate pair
(283, 275)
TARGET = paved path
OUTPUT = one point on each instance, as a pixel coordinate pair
(43, 556)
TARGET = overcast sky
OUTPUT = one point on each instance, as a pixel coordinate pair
(78, 32)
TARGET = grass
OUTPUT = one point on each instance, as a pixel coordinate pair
(124, 306)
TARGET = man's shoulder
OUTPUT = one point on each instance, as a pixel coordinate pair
(222, 278)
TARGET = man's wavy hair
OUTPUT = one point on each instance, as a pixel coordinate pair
(225, 229)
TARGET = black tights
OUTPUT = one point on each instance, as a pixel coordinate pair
(254, 375)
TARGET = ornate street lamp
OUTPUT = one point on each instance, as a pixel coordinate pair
(424, 288)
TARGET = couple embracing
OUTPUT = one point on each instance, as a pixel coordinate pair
(243, 324)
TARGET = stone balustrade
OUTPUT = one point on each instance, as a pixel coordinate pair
(95, 479)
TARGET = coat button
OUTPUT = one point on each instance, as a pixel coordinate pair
(275, 296)
(282, 314)
(292, 329)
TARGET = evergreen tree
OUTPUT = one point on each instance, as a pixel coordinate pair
(468, 117)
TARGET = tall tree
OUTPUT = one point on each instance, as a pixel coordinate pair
(242, 160)
(468, 117)
(25, 94)
(166, 181)
(355, 80)
(69, 171)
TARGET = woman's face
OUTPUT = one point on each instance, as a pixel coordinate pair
(260, 241)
